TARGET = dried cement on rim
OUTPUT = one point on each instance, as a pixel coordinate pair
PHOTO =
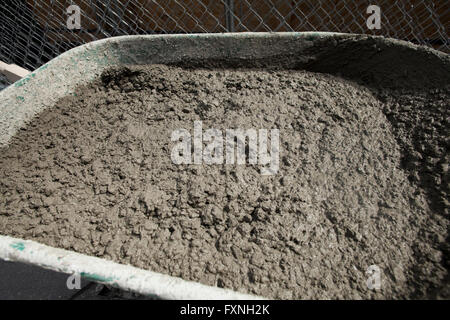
(436, 257)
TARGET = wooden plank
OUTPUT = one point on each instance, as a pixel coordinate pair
(13, 72)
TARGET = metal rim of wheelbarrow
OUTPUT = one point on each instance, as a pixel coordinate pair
(21, 101)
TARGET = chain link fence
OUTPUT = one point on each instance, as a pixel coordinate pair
(35, 31)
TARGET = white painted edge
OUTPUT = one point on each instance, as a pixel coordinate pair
(111, 273)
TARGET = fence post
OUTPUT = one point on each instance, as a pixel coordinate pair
(229, 12)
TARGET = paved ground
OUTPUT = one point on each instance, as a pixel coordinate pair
(21, 281)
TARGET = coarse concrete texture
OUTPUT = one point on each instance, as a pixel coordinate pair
(363, 175)
(94, 174)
